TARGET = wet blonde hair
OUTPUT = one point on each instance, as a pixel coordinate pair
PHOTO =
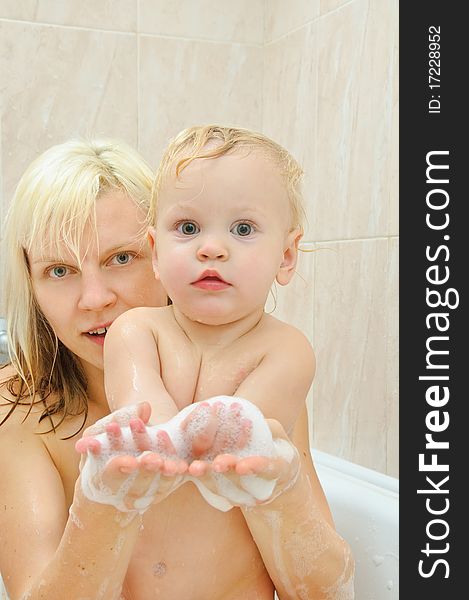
(213, 141)
(53, 203)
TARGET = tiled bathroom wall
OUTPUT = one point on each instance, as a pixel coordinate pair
(330, 95)
(320, 76)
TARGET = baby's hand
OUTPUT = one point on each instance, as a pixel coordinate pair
(212, 429)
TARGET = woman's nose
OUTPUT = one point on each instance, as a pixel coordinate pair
(212, 249)
(95, 294)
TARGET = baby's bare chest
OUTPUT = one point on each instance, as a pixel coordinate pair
(191, 375)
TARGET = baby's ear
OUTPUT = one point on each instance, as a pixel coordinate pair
(290, 257)
(151, 234)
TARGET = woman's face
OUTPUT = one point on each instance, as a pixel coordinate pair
(81, 301)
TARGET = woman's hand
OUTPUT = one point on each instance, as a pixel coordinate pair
(138, 472)
(278, 473)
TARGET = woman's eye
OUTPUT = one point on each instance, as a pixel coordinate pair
(58, 272)
(123, 258)
(188, 228)
(242, 229)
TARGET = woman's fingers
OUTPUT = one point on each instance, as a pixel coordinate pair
(262, 466)
(199, 468)
(224, 463)
(136, 482)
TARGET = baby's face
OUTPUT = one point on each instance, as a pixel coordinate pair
(222, 232)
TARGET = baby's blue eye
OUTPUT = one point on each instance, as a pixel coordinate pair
(188, 228)
(242, 229)
(58, 272)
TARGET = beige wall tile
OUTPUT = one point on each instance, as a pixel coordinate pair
(392, 359)
(60, 83)
(393, 229)
(290, 99)
(325, 85)
(184, 83)
(354, 172)
(326, 6)
(115, 15)
(218, 20)
(282, 17)
(350, 407)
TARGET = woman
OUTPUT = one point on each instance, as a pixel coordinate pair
(76, 258)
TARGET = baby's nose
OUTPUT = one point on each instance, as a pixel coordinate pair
(212, 249)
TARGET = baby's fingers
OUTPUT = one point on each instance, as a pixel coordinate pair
(88, 444)
(164, 444)
(140, 435)
(201, 425)
(142, 411)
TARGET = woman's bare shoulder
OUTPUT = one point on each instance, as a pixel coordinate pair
(12, 414)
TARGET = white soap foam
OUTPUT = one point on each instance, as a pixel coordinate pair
(260, 443)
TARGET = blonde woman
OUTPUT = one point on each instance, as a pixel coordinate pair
(76, 258)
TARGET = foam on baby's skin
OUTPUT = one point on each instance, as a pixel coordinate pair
(254, 489)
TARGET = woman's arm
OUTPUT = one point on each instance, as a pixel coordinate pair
(295, 534)
(294, 531)
(46, 551)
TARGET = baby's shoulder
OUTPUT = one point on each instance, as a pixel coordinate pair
(286, 344)
(283, 333)
(142, 317)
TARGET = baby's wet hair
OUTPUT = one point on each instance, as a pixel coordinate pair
(213, 141)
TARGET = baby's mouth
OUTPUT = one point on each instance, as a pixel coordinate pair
(211, 276)
(211, 283)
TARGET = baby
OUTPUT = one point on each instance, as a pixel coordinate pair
(227, 220)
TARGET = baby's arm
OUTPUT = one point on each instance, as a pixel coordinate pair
(132, 365)
(278, 386)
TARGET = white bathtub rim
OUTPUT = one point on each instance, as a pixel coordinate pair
(355, 471)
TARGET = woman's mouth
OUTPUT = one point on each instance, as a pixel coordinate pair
(97, 335)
